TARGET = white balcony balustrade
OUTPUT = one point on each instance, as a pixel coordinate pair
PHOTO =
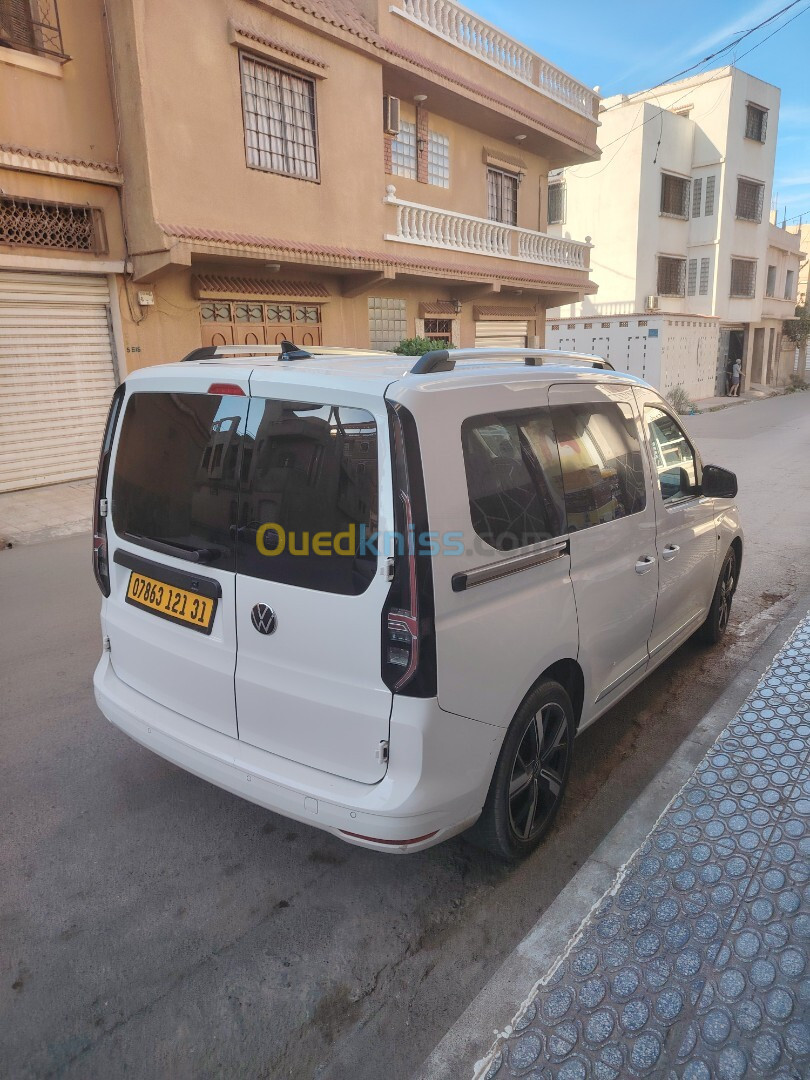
(475, 35)
(434, 228)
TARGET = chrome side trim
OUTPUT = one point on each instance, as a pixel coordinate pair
(616, 682)
(468, 579)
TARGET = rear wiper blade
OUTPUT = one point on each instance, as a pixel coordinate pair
(173, 547)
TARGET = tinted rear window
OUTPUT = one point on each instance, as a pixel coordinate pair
(285, 491)
(309, 498)
(177, 473)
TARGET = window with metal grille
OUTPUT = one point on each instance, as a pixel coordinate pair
(770, 284)
(743, 277)
(750, 195)
(756, 123)
(386, 322)
(697, 191)
(708, 208)
(279, 114)
(556, 203)
(671, 276)
(691, 277)
(403, 151)
(674, 195)
(789, 279)
(502, 196)
(705, 264)
(438, 159)
(32, 223)
(439, 329)
(31, 27)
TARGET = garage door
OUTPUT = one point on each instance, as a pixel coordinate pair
(513, 332)
(56, 376)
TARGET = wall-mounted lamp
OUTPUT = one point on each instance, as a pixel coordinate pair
(456, 306)
(519, 138)
(272, 266)
(419, 98)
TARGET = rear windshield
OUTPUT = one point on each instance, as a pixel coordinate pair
(282, 490)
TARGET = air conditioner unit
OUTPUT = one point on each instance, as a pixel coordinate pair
(651, 303)
(390, 115)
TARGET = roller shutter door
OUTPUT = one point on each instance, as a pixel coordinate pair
(56, 376)
(512, 332)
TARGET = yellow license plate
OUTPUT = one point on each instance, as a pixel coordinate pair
(178, 605)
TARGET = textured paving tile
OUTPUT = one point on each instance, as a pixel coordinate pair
(696, 966)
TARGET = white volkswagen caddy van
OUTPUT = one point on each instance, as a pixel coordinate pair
(381, 596)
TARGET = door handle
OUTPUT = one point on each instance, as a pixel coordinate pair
(645, 564)
(670, 551)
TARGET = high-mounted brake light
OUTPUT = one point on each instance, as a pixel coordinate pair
(226, 389)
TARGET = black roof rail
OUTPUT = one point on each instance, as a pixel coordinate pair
(206, 352)
(290, 351)
(438, 360)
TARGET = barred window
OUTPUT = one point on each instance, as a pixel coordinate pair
(502, 196)
(556, 203)
(756, 123)
(439, 329)
(403, 151)
(31, 27)
(750, 195)
(438, 159)
(697, 191)
(770, 284)
(743, 277)
(671, 276)
(708, 209)
(691, 277)
(705, 265)
(32, 223)
(279, 112)
(674, 195)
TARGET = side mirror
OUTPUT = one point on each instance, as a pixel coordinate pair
(718, 483)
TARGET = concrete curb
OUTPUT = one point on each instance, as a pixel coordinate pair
(467, 1047)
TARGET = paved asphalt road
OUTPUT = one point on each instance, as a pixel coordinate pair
(155, 926)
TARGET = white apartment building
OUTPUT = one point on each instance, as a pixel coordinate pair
(692, 274)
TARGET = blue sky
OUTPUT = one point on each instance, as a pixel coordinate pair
(630, 45)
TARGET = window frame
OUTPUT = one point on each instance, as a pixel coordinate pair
(682, 275)
(407, 170)
(686, 190)
(42, 38)
(245, 55)
(438, 138)
(750, 109)
(738, 295)
(790, 284)
(756, 189)
(673, 502)
(502, 175)
(556, 186)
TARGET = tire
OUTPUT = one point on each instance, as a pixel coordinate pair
(536, 770)
(713, 629)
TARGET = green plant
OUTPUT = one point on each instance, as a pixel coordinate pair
(680, 401)
(798, 330)
(416, 346)
(796, 383)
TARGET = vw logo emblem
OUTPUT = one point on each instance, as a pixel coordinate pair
(263, 618)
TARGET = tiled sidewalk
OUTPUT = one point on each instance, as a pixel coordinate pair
(41, 513)
(695, 964)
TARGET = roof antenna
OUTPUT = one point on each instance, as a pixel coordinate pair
(289, 351)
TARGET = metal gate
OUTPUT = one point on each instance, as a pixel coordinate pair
(511, 332)
(57, 375)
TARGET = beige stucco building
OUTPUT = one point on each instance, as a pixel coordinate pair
(347, 172)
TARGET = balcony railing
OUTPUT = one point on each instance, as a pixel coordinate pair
(32, 27)
(475, 35)
(431, 227)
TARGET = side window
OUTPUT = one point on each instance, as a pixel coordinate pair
(603, 474)
(513, 478)
(676, 463)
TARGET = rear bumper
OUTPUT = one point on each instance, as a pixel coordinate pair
(437, 779)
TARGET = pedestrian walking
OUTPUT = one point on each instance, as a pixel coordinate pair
(735, 379)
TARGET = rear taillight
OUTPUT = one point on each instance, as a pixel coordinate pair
(101, 564)
(408, 631)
